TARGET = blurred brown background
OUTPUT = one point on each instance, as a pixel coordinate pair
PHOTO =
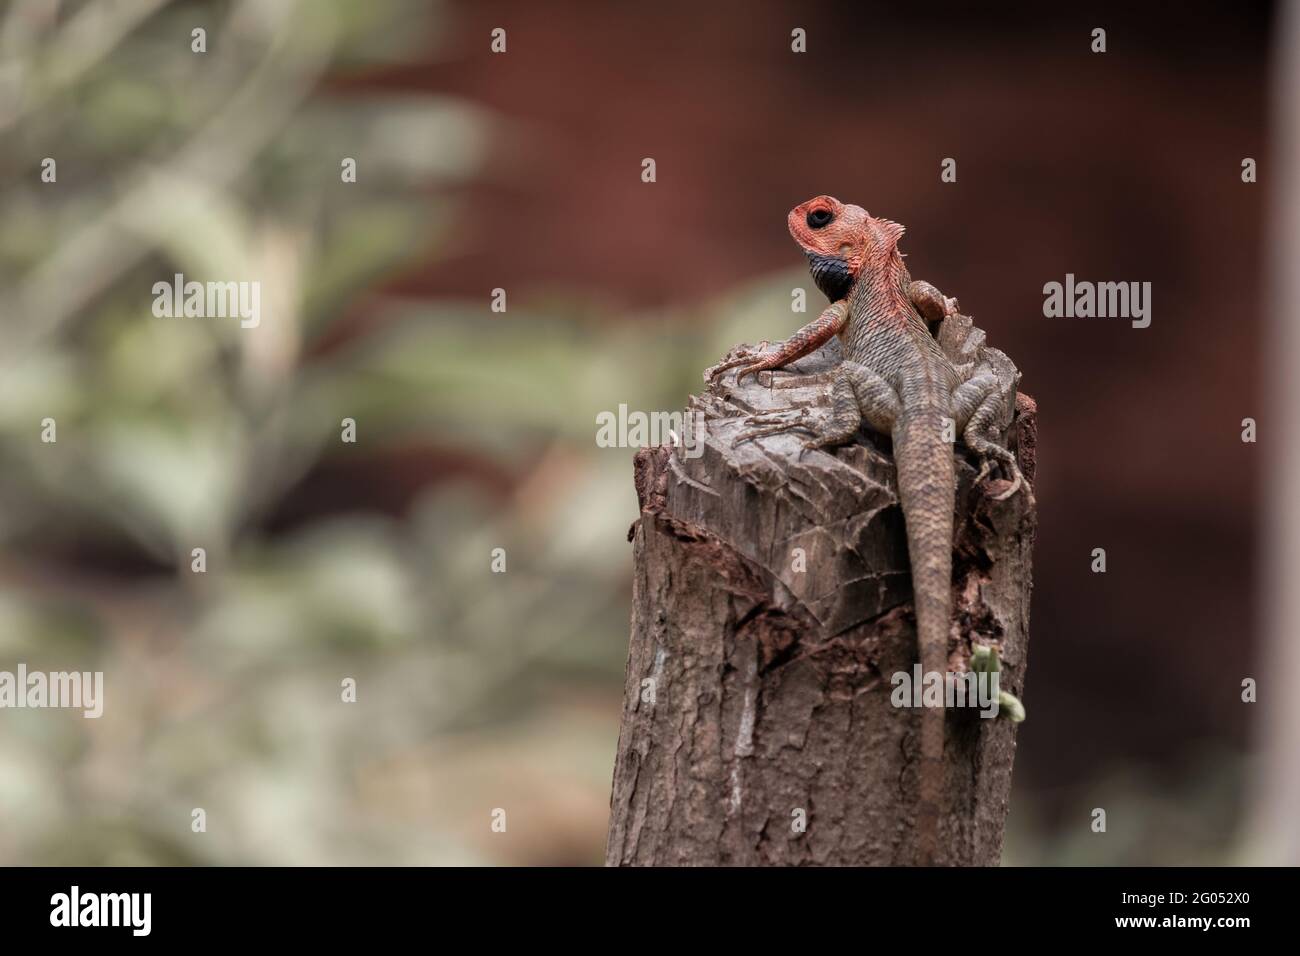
(522, 171)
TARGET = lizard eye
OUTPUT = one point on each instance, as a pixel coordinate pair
(819, 217)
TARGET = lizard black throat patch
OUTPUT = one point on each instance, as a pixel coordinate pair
(831, 274)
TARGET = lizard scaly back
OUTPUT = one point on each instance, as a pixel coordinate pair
(886, 335)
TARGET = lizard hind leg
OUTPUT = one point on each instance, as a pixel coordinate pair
(976, 405)
(843, 425)
(845, 419)
(858, 395)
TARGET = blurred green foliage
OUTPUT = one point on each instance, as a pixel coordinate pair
(475, 691)
(223, 689)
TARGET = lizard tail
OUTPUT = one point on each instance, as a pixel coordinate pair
(926, 482)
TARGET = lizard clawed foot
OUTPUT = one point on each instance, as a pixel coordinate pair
(1008, 460)
(821, 443)
(774, 424)
(835, 435)
(744, 355)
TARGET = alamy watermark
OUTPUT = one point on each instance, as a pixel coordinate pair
(56, 689)
(130, 910)
(1101, 300)
(918, 688)
(636, 429)
(210, 300)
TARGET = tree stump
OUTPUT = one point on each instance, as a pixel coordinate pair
(771, 606)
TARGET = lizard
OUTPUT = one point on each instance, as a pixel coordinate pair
(897, 379)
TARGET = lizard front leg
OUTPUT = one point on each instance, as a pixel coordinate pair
(932, 304)
(808, 339)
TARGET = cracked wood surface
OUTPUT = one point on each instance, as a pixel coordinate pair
(757, 693)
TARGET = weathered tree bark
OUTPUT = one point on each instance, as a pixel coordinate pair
(771, 607)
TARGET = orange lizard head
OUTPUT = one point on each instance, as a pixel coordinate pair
(839, 239)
